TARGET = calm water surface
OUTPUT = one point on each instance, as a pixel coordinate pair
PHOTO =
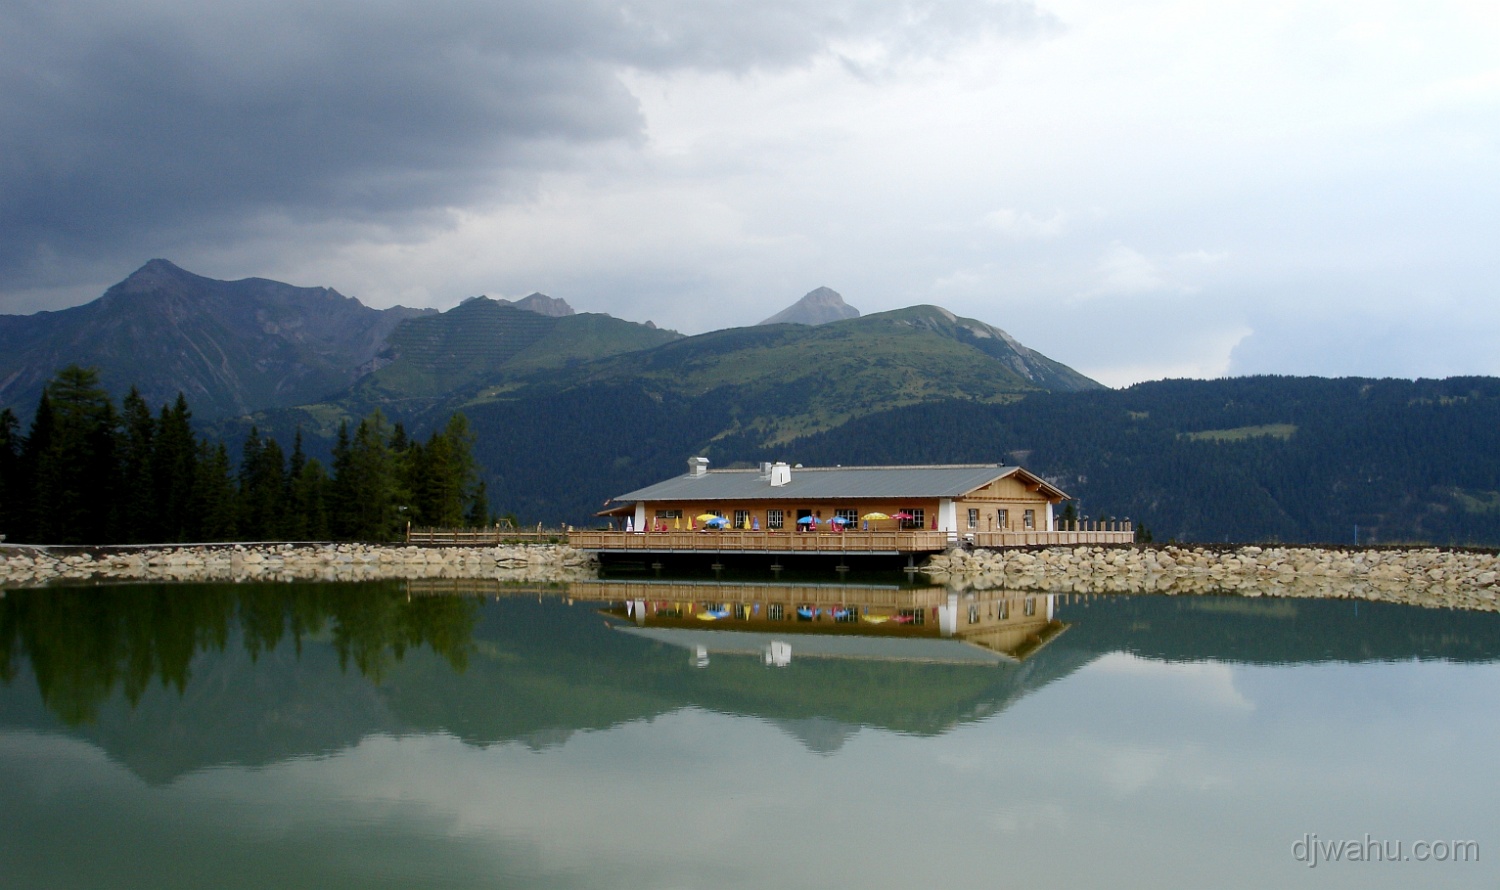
(376, 735)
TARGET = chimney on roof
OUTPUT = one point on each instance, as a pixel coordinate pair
(781, 474)
(697, 466)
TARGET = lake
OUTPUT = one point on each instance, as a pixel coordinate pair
(698, 734)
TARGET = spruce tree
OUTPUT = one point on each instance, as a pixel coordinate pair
(26, 512)
(76, 473)
(368, 494)
(212, 503)
(174, 471)
(137, 517)
(10, 457)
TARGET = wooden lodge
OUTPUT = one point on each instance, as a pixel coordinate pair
(778, 508)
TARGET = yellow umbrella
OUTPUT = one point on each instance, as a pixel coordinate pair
(677, 523)
(704, 517)
(873, 516)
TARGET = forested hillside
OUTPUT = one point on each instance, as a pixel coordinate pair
(1255, 458)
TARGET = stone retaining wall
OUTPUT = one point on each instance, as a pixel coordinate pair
(24, 566)
(1426, 577)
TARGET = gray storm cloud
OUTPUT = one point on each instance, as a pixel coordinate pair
(128, 127)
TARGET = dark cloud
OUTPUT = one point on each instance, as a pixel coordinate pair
(128, 128)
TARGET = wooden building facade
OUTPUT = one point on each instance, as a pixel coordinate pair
(954, 499)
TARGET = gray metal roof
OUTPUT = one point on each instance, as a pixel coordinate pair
(831, 483)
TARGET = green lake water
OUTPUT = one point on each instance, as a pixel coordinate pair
(383, 735)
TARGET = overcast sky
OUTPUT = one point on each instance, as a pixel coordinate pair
(1138, 189)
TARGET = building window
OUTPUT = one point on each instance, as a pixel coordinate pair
(668, 514)
(918, 518)
(775, 519)
(1003, 517)
(850, 517)
(973, 517)
(973, 613)
(776, 611)
(1029, 519)
(1002, 610)
(742, 519)
(1028, 607)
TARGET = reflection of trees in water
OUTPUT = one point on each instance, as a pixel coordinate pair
(83, 643)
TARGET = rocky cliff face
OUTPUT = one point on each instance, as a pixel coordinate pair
(541, 304)
(816, 307)
(230, 346)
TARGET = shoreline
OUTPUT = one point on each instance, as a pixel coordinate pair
(22, 565)
(1432, 577)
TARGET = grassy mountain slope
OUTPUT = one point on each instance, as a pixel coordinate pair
(784, 381)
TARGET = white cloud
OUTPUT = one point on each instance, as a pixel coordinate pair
(1022, 224)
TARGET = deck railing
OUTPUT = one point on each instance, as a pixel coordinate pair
(1037, 538)
(472, 537)
(763, 541)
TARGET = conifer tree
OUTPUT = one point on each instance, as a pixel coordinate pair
(263, 488)
(174, 471)
(28, 464)
(368, 493)
(10, 457)
(76, 471)
(137, 517)
(212, 502)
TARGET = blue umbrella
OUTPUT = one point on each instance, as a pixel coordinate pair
(807, 520)
(716, 522)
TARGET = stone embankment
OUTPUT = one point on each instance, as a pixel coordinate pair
(1426, 577)
(531, 563)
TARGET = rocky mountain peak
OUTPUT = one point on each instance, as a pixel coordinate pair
(541, 304)
(818, 306)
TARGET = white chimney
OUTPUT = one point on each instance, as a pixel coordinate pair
(781, 474)
(697, 466)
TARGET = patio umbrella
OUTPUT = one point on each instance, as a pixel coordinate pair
(630, 523)
(716, 522)
(807, 520)
(874, 516)
(707, 517)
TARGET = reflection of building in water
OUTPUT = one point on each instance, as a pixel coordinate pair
(785, 621)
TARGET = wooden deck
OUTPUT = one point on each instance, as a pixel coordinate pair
(885, 543)
(1052, 538)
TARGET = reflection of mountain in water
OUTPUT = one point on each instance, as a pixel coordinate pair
(821, 735)
(173, 679)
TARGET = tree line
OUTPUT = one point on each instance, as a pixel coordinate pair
(87, 472)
